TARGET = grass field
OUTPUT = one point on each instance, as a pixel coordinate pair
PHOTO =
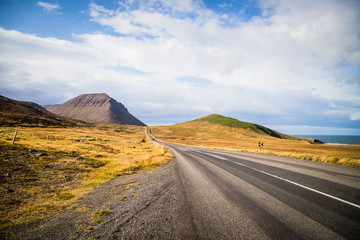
(217, 136)
(48, 169)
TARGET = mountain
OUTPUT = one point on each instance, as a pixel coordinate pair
(50, 107)
(96, 107)
(14, 112)
(234, 123)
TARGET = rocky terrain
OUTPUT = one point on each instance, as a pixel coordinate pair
(97, 107)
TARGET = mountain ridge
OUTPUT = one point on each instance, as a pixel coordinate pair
(96, 107)
(13, 112)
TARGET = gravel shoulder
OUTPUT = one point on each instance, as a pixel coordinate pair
(138, 206)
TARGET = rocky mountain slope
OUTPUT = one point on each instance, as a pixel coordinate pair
(97, 107)
(14, 112)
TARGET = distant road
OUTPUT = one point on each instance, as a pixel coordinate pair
(232, 195)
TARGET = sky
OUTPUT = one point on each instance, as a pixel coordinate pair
(293, 66)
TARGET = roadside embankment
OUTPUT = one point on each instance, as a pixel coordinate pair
(47, 170)
(137, 206)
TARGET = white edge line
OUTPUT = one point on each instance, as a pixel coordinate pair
(284, 179)
(212, 155)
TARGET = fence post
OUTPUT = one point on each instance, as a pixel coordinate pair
(14, 136)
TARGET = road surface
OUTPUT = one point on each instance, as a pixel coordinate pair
(212, 194)
(233, 195)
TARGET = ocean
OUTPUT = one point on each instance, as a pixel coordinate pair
(334, 139)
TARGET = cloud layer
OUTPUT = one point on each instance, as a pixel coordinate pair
(50, 7)
(170, 61)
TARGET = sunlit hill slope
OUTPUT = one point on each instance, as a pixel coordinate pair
(234, 123)
(216, 131)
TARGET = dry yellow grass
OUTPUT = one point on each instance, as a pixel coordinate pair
(237, 139)
(50, 168)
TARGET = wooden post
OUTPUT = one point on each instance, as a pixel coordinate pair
(14, 136)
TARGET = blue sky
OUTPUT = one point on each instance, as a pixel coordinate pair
(290, 65)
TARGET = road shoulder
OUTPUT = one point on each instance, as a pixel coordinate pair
(135, 206)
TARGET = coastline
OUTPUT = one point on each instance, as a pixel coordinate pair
(335, 139)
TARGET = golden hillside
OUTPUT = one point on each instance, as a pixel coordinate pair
(48, 168)
(212, 135)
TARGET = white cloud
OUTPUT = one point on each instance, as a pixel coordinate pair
(322, 28)
(50, 7)
(224, 5)
(355, 116)
(295, 63)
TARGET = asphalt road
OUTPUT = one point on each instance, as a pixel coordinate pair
(232, 195)
(211, 194)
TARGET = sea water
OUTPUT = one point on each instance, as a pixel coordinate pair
(334, 139)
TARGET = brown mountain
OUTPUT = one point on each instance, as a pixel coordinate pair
(14, 112)
(97, 107)
(50, 107)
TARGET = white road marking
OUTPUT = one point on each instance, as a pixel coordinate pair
(284, 179)
(211, 155)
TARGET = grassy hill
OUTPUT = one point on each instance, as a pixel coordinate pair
(219, 132)
(234, 123)
(229, 122)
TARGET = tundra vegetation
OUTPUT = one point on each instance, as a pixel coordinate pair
(224, 133)
(48, 169)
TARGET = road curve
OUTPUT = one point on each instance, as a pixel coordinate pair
(213, 194)
(232, 195)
